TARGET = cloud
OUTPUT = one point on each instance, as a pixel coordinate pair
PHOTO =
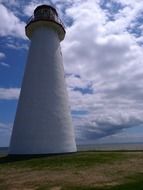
(11, 25)
(5, 133)
(4, 64)
(9, 93)
(127, 135)
(2, 55)
(17, 45)
(9, 2)
(107, 58)
(94, 128)
(28, 9)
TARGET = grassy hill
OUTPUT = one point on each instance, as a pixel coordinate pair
(79, 171)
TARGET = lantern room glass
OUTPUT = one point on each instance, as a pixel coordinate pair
(46, 13)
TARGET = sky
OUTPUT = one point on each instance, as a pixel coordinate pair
(103, 62)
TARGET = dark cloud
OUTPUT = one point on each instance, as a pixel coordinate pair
(96, 129)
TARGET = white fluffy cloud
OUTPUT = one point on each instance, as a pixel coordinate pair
(106, 54)
(10, 25)
(9, 93)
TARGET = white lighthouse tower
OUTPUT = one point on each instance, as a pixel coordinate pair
(43, 122)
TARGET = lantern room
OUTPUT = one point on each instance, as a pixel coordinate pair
(45, 11)
(45, 15)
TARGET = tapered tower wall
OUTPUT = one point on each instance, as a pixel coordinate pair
(43, 123)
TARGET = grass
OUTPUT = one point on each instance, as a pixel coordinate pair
(79, 171)
(128, 186)
(76, 160)
(135, 183)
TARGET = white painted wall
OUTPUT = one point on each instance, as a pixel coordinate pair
(43, 121)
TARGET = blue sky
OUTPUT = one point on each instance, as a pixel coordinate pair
(103, 61)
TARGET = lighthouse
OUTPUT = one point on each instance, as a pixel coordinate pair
(43, 123)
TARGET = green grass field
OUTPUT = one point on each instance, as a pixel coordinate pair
(79, 171)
